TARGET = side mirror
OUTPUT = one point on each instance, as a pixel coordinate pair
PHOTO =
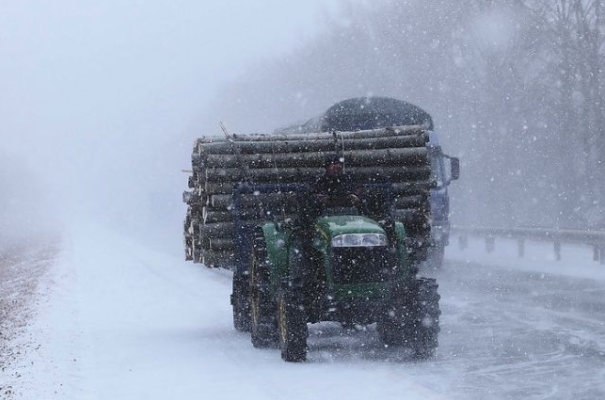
(455, 168)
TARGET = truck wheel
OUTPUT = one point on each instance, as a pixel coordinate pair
(435, 257)
(292, 323)
(424, 331)
(263, 326)
(240, 301)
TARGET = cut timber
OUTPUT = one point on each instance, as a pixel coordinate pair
(218, 244)
(213, 214)
(365, 134)
(323, 144)
(246, 201)
(218, 259)
(359, 158)
(224, 201)
(410, 187)
(397, 156)
(217, 229)
(277, 175)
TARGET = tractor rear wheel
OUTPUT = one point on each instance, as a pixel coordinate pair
(240, 301)
(263, 326)
(292, 324)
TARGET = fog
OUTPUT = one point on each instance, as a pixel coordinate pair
(101, 102)
(515, 89)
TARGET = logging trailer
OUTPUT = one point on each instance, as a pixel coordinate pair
(246, 194)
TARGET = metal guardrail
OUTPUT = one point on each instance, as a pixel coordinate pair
(594, 239)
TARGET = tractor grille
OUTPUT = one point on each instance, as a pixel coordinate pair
(352, 265)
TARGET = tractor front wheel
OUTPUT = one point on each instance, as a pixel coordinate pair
(396, 318)
(425, 328)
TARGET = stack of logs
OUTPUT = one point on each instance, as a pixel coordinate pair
(395, 155)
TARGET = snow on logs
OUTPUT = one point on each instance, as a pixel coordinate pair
(396, 155)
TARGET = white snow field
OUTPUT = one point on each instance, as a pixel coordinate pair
(120, 320)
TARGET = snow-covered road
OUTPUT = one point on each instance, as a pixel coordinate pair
(120, 320)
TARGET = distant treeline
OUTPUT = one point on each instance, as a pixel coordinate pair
(516, 88)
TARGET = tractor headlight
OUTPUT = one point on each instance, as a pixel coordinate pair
(359, 240)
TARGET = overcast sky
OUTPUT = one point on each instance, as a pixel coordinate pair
(100, 99)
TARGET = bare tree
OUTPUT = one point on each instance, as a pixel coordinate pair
(515, 86)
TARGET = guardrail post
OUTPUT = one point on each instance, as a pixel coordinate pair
(557, 237)
(557, 247)
(521, 248)
(490, 243)
(462, 242)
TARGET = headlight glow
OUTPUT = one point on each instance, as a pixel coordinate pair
(359, 240)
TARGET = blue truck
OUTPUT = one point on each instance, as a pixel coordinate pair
(445, 169)
(379, 112)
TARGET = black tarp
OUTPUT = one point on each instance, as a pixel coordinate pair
(371, 113)
(363, 113)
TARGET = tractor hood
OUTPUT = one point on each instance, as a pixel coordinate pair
(338, 225)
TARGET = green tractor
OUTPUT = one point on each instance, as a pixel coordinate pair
(349, 267)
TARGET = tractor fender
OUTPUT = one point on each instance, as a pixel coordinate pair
(404, 258)
(277, 242)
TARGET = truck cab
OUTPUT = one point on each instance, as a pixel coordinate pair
(444, 170)
(377, 112)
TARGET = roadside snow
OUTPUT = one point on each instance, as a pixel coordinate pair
(123, 321)
(576, 260)
(118, 319)
(21, 267)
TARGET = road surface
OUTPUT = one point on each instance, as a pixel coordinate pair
(115, 319)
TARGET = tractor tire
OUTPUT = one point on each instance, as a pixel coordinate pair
(396, 318)
(240, 302)
(292, 324)
(423, 332)
(263, 327)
